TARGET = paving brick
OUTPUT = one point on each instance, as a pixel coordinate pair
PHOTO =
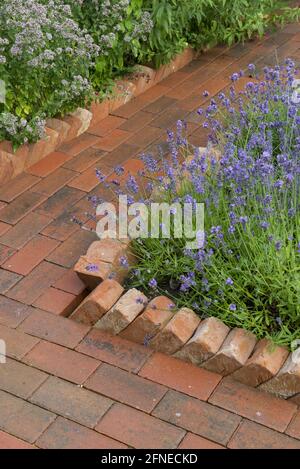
(40, 279)
(191, 441)
(68, 252)
(64, 226)
(157, 314)
(121, 154)
(21, 183)
(197, 417)
(114, 350)
(87, 180)
(11, 442)
(253, 436)
(26, 229)
(181, 376)
(63, 198)
(20, 380)
(153, 93)
(166, 119)
(31, 422)
(55, 181)
(12, 313)
(145, 136)
(70, 283)
(129, 109)
(79, 144)
(107, 125)
(4, 227)
(62, 362)
(53, 328)
(253, 404)
(71, 401)
(85, 159)
(294, 427)
(128, 307)
(112, 140)
(139, 430)
(137, 122)
(30, 255)
(63, 434)
(17, 343)
(98, 302)
(48, 164)
(5, 253)
(160, 105)
(22, 205)
(57, 302)
(126, 387)
(8, 280)
(296, 399)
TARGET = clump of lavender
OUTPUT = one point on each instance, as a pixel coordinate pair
(44, 60)
(248, 271)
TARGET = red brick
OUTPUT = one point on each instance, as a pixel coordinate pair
(10, 442)
(139, 430)
(179, 375)
(87, 180)
(57, 203)
(154, 93)
(294, 427)
(114, 350)
(8, 280)
(126, 387)
(17, 343)
(20, 184)
(5, 253)
(174, 79)
(121, 154)
(253, 404)
(31, 420)
(61, 362)
(22, 205)
(53, 328)
(70, 283)
(84, 159)
(71, 401)
(137, 122)
(145, 136)
(191, 441)
(197, 417)
(23, 231)
(20, 380)
(79, 144)
(112, 140)
(106, 126)
(4, 227)
(58, 302)
(40, 279)
(253, 436)
(68, 252)
(55, 181)
(48, 164)
(160, 105)
(63, 434)
(92, 279)
(168, 118)
(30, 255)
(130, 108)
(64, 226)
(12, 313)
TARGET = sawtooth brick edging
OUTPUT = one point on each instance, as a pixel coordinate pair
(209, 343)
(59, 131)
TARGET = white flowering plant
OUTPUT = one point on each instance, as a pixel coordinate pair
(45, 58)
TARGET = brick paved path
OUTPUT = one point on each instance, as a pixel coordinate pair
(64, 386)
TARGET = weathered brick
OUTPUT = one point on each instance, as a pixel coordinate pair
(64, 434)
(253, 436)
(197, 417)
(22, 205)
(191, 441)
(11, 442)
(55, 181)
(287, 382)
(21, 183)
(63, 198)
(92, 278)
(53, 328)
(114, 350)
(17, 343)
(12, 313)
(130, 108)
(48, 164)
(61, 362)
(139, 430)
(294, 427)
(26, 229)
(137, 122)
(112, 140)
(57, 302)
(31, 420)
(107, 125)
(84, 159)
(160, 104)
(70, 283)
(79, 144)
(253, 404)
(263, 364)
(234, 352)
(157, 314)
(30, 255)
(123, 312)
(206, 341)
(40, 279)
(20, 380)
(180, 376)
(71, 401)
(8, 280)
(64, 226)
(121, 154)
(177, 332)
(68, 252)
(98, 302)
(145, 136)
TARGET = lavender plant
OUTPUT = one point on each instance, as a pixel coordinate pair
(44, 61)
(248, 271)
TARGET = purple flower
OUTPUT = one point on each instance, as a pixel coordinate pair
(92, 268)
(152, 283)
(229, 281)
(232, 307)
